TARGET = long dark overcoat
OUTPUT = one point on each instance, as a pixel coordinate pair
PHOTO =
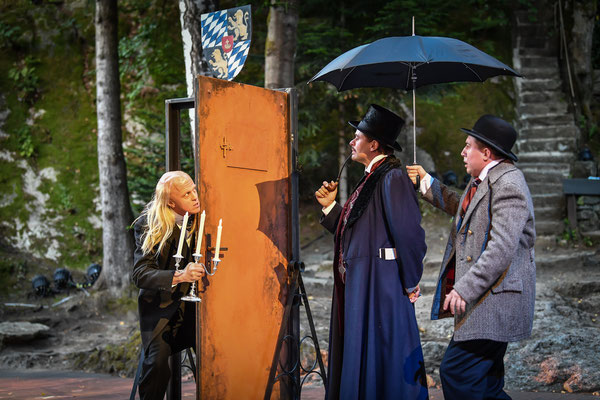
(153, 275)
(374, 346)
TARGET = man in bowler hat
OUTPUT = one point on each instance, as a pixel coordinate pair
(374, 347)
(487, 278)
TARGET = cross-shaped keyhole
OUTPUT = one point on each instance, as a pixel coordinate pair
(225, 147)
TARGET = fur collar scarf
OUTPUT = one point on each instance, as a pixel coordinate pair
(368, 189)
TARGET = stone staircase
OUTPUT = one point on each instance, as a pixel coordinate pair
(547, 141)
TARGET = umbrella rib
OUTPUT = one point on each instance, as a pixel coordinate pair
(473, 71)
(347, 75)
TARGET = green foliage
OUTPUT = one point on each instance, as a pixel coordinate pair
(26, 146)
(596, 42)
(146, 160)
(150, 50)
(573, 236)
(119, 359)
(152, 70)
(135, 57)
(64, 196)
(25, 79)
(8, 34)
(12, 271)
(588, 127)
(569, 234)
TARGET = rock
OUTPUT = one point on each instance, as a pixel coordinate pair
(22, 332)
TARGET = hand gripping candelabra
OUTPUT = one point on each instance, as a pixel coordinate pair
(191, 296)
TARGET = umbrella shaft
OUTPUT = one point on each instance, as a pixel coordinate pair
(414, 126)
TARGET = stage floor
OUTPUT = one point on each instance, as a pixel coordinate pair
(38, 385)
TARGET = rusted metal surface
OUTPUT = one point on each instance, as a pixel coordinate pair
(244, 159)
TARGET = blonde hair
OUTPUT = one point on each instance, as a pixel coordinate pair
(160, 218)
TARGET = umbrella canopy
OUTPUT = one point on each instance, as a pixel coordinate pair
(409, 62)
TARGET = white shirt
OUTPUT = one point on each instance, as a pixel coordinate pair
(327, 210)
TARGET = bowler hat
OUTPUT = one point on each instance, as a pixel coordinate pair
(380, 124)
(496, 133)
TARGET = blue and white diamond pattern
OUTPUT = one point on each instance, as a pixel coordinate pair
(214, 27)
(237, 58)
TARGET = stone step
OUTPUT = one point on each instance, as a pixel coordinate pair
(531, 120)
(527, 27)
(546, 195)
(561, 261)
(548, 213)
(539, 84)
(533, 42)
(549, 227)
(539, 132)
(537, 61)
(550, 191)
(555, 178)
(544, 168)
(539, 72)
(547, 51)
(543, 108)
(546, 157)
(539, 96)
(563, 144)
(540, 182)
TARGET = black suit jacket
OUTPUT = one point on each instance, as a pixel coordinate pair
(153, 275)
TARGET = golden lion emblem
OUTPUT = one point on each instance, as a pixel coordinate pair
(219, 63)
(238, 24)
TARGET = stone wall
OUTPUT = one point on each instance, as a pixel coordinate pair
(588, 215)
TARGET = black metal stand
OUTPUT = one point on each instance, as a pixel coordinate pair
(291, 368)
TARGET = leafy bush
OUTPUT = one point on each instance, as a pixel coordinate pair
(26, 79)
(26, 146)
(8, 34)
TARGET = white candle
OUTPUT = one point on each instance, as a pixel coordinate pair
(182, 234)
(200, 232)
(218, 245)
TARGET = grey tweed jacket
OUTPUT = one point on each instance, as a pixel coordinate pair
(492, 248)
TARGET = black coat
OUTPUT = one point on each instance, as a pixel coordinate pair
(374, 347)
(153, 275)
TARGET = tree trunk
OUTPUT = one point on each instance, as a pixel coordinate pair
(342, 141)
(280, 48)
(584, 16)
(117, 240)
(190, 12)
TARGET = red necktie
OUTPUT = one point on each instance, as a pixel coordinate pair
(469, 196)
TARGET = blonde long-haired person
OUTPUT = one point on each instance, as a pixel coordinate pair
(167, 324)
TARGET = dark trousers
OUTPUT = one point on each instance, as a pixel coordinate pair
(176, 336)
(473, 370)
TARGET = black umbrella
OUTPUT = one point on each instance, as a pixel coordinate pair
(409, 62)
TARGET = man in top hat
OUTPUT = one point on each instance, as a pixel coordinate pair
(374, 346)
(487, 278)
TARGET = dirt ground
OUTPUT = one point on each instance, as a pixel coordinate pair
(89, 333)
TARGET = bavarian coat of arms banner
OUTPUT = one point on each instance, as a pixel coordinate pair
(226, 38)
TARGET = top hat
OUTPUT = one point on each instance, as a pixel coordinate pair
(495, 132)
(380, 124)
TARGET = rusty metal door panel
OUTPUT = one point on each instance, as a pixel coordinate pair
(243, 152)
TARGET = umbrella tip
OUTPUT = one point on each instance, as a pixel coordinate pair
(413, 25)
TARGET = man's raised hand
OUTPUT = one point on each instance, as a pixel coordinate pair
(326, 193)
(414, 171)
